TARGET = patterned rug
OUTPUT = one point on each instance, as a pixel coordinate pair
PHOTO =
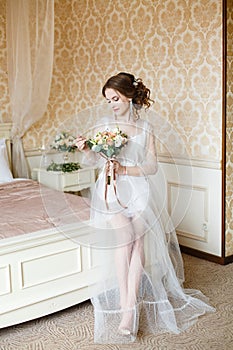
(72, 329)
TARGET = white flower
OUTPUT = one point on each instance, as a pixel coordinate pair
(64, 142)
(95, 148)
(115, 130)
(118, 141)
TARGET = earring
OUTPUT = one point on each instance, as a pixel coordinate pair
(130, 110)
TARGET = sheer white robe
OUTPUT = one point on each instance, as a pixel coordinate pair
(153, 275)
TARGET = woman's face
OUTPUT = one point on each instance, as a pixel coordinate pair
(119, 103)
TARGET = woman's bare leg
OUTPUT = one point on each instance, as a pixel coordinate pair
(122, 260)
(136, 264)
(123, 255)
(135, 271)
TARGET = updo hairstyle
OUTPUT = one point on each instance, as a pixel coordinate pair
(132, 88)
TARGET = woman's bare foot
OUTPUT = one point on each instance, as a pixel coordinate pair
(126, 325)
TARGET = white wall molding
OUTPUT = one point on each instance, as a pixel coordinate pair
(196, 218)
(195, 162)
(192, 196)
(162, 158)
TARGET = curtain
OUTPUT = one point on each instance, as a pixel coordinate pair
(30, 43)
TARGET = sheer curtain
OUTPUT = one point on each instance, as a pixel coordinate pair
(30, 43)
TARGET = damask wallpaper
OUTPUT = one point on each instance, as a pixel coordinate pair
(174, 46)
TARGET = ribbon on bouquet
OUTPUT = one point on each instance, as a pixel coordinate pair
(110, 175)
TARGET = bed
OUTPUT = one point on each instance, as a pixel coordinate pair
(47, 260)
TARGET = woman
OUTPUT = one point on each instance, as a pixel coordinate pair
(146, 278)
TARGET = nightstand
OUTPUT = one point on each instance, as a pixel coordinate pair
(68, 182)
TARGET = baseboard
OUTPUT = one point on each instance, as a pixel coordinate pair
(210, 257)
(228, 260)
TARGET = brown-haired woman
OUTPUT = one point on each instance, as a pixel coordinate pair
(147, 275)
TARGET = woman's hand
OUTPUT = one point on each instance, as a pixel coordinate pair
(119, 169)
(80, 142)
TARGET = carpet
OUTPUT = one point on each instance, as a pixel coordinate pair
(72, 329)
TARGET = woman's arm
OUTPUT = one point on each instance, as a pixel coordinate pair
(149, 165)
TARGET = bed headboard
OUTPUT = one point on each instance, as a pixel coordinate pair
(5, 133)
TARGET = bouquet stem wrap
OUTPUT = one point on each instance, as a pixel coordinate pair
(110, 177)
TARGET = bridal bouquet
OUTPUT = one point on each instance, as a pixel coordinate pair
(108, 142)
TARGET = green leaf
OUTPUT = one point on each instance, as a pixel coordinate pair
(64, 167)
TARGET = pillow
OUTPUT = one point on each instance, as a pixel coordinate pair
(5, 172)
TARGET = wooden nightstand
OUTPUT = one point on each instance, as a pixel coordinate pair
(68, 182)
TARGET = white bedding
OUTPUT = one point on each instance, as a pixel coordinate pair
(5, 172)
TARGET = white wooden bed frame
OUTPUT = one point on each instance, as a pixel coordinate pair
(46, 271)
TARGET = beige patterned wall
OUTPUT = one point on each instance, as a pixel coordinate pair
(229, 132)
(175, 46)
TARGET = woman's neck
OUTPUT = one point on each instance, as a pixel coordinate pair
(123, 118)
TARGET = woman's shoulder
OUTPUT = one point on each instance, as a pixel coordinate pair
(145, 125)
